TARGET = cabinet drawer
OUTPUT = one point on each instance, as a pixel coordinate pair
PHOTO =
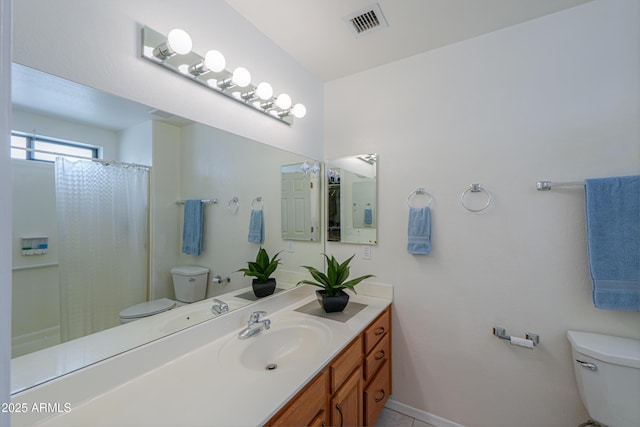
(376, 394)
(345, 363)
(377, 330)
(308, 407)
(377, 357)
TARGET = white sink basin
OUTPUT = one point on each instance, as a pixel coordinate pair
(289, 343)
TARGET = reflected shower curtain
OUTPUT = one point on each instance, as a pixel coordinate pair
(102, 213)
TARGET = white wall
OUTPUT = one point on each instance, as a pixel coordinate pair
(554, 98)
(5, 202)
(97, 43)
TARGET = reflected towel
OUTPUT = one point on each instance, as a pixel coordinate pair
(419, 231)
(613, 239)
(368, 216)
(192, 227)
(256, 226)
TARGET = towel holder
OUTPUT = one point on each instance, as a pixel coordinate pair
(205, 201)
(420, 192)
(475, 188)
(259, 200)
(233, 205)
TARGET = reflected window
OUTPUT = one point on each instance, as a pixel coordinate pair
(30, 147)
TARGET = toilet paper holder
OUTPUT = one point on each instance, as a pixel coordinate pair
(502, 334)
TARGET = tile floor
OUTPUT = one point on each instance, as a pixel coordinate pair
(390, 418)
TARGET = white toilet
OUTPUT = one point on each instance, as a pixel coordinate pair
(189, 285)
(607, 371)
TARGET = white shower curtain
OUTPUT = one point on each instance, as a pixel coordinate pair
(102, 213)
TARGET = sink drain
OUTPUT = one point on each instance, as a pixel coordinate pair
(271, 367)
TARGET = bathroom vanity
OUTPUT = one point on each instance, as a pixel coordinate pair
(355, 384)
(331, 372)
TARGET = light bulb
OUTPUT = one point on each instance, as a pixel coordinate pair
(299, 111)
(283, 101)
(264, 91)
(241, 77)
(179, 41)
(214, 61)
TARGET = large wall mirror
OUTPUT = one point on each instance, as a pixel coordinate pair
(186, 160)
(352, 199)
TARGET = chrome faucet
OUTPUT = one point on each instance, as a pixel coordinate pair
(255, 325)
(219, 307)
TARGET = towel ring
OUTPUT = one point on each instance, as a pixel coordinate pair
(259, 200)
(475, 188)
(233, 205)
(419, 191)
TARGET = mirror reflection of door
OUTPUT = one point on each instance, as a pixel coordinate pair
(299, 210)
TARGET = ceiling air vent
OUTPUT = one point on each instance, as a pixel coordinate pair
(367, 20)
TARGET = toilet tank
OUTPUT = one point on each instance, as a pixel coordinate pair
(607, 371)
(190, 283)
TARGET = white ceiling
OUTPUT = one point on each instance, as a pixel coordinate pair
(315, 34)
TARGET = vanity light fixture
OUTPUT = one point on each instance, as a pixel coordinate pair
(213, 61)
(174, 53)
(308, 169)
(178, 42)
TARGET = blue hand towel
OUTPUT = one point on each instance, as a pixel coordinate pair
(368, 216)
(613, 239)
(192, 227)
(256, 226)
(419, 231)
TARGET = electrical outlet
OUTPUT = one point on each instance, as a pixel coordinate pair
(366, 252)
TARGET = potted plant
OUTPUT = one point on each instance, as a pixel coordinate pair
(332, 296)
(263, 285)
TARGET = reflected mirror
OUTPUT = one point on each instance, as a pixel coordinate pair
(352, 199)
(53, 332)
(300, 198)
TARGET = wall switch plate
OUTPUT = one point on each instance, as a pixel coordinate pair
(290, 246)
(366, 251)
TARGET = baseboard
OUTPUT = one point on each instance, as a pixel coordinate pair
(420, 415)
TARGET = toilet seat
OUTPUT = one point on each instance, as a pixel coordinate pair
(145, 309)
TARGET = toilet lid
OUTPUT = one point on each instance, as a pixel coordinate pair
(148, 308)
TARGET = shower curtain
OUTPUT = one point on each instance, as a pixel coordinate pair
(102, 212)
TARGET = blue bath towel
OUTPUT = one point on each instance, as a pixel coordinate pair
(192, 227)
(613, 238)
(368, 216)
(256, 226)
(419, 231)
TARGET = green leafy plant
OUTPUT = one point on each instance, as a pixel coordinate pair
(263, 267)
(336, 278)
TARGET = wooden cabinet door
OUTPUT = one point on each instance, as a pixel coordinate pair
(346, 403)
(376, 394)
(308, 408)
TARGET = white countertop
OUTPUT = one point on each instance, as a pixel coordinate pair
(179, 380)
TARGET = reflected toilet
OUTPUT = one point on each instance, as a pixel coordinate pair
(189, 285)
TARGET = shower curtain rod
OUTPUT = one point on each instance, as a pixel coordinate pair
(106, 162)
